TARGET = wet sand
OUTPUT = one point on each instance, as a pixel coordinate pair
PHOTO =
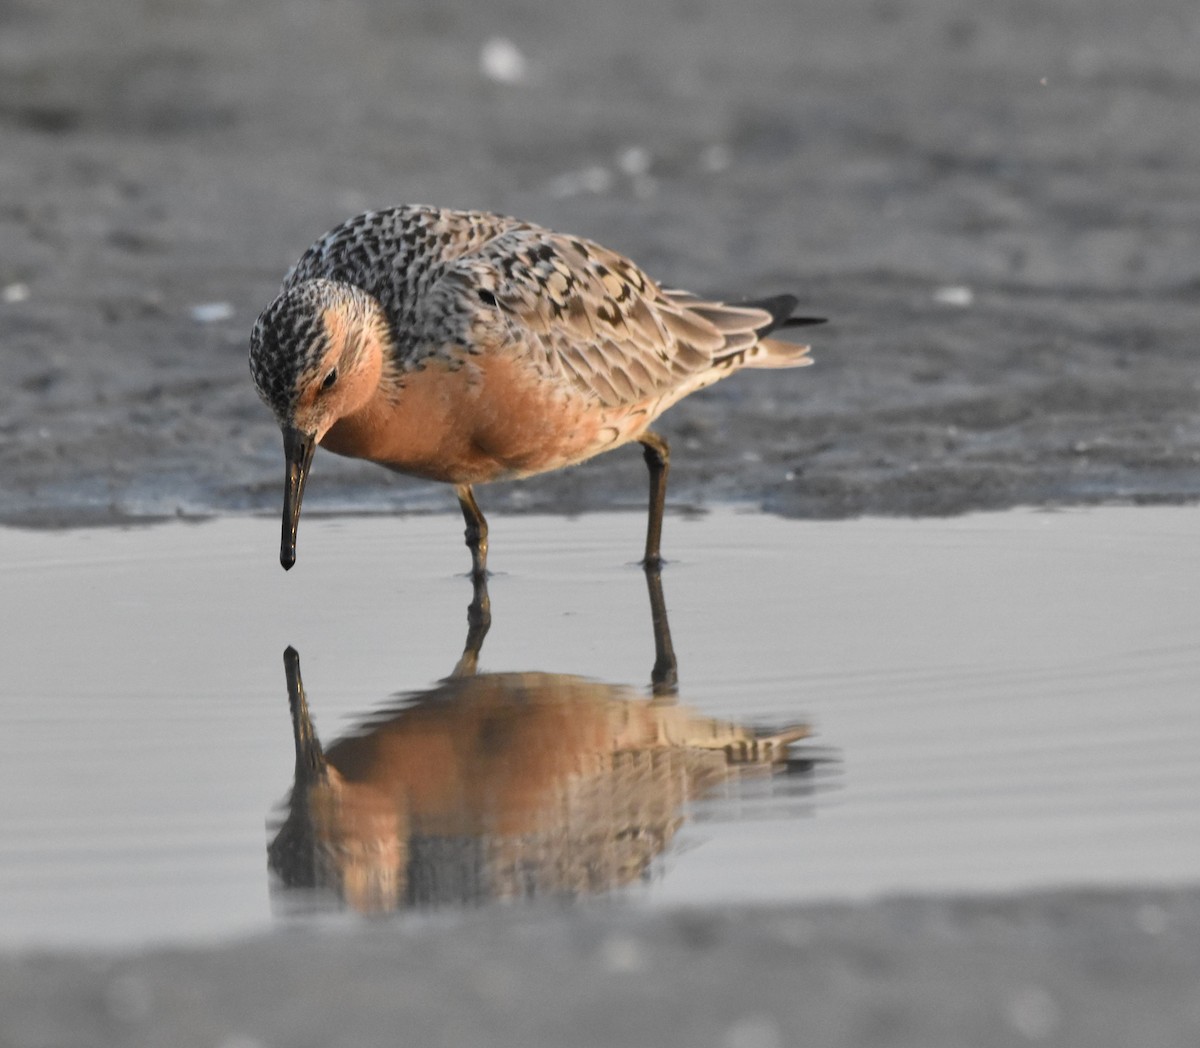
(1078, 970)
(998, 208)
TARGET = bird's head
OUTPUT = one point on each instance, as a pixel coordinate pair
(317, 354)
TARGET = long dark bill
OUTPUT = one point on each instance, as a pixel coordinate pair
(298, 448)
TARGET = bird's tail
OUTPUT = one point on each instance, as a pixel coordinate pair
(773, 352)
(743, 327)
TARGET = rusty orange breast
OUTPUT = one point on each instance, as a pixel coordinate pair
(490, 418)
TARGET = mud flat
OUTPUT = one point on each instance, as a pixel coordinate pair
(1099, 970)
(997, 208)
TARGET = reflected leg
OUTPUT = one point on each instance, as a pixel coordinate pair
(477, 530)
(657, 454)
(479, 621)
(664, 678)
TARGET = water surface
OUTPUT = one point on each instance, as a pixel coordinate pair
(1009, 699)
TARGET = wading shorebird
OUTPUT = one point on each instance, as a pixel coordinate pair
(467, 347)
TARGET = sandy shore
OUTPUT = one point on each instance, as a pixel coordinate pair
(1087, 970)
(998, 207)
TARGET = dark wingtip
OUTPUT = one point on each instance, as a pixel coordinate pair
(780, 307)
(288, 560)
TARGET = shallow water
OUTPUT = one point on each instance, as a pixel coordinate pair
(1003, 700)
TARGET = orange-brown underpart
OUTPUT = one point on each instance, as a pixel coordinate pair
(493, 417)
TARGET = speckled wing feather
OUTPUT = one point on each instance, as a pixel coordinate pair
(592, 317)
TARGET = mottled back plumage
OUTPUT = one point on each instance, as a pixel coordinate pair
(584, 313)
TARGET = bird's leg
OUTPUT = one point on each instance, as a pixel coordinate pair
(477, 530)
(657, 453)
(664, 678)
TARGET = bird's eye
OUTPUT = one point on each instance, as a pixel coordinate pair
(329, 380)
(486, 297)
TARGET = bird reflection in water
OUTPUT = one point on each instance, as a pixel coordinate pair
(502, 785)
